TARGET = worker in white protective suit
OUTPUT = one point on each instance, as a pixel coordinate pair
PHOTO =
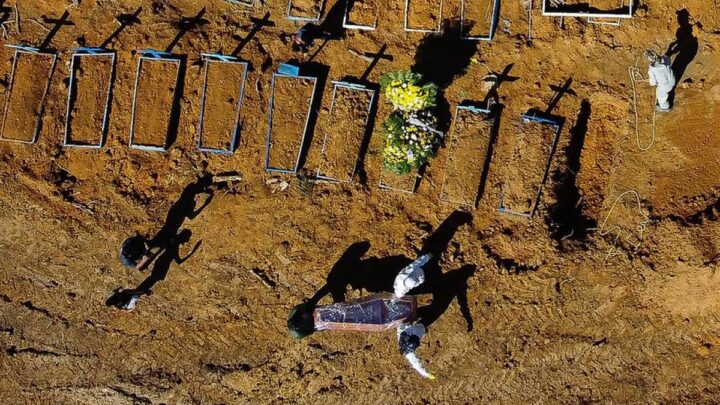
(374, 313)
(661, 76)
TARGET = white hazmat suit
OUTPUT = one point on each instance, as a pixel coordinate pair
(661, 76)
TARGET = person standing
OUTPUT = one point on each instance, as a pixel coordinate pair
(660, 76)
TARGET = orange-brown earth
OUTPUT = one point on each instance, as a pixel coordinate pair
(591, 301)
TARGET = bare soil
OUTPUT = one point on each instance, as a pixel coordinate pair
(582, 319)
(306, 8)
(93, 76)
(224, 84)
(423, 14)
(24, 102)
(478, 17)
(156, 86)
(364, 12)
(292, 105)
(467, 150)
(346, 130)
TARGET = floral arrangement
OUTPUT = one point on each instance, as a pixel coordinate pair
(411, 139)
(406, 91)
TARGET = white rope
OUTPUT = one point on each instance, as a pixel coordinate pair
(640, 226)
(635, 75)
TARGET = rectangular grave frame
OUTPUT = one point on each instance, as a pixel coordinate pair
(408, 29)
(33, 51)
(352, 86)
(271, 110)
(152, 55)
(493, 23)
(555, 123)
(208, 58)
(90, 52)
(548, 12)
(305, 19)
(347, 25)
(476, 110)
(615, 22)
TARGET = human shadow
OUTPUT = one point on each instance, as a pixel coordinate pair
(685, 46)
(332, 24)
(184, 208)
(566, 218)
(166, 257)
(442, 58)
(376, 274)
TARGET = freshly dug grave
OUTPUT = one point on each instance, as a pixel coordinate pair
(423, 14)
(289, 115)
(525, 169)
(156, 86)
(306, 8)
(478, 16)
(220, 118)
(25, 102)
(93, 76)
(345, 133)
(467, 150)
(363, 12)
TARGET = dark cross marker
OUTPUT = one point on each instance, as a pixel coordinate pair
(59, 23)
(380, 55)
(125, 20)
(258, 24)
(185, 25)
(560, 91)
(498, 80)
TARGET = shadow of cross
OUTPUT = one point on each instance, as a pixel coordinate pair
(258, 24)
(185, 25)
(125, 20)
(58, 23)
(560, 91)
(4, 12)
(376, 57)
(497, 80)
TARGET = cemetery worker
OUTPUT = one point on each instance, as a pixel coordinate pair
(125, 299)
(375, 313)
(409, 337)
(661, 76)
(304, 38)
(135, 252)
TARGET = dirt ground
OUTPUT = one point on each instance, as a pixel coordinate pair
(608, 295)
